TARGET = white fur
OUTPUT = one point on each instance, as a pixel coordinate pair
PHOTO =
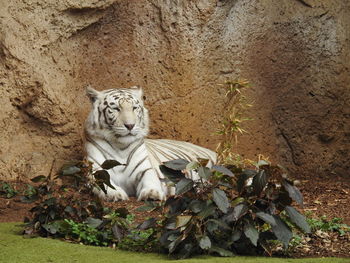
(141, 175)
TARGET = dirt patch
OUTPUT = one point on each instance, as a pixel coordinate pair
(13, 210)
(325, 245)
(327, 196)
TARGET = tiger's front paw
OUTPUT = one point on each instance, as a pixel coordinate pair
(116, 195)
(151, 193)
(112, 195)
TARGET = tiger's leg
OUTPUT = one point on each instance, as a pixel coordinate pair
(95, 156)
(112, 194)
(149, 186)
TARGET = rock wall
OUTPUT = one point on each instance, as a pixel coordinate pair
(295, 53)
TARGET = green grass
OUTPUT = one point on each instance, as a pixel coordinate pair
(16, 248)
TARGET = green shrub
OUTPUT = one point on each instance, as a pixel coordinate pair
(85, 233)
(7, 190)
(228, 210)
(333, 225)
(139, 240)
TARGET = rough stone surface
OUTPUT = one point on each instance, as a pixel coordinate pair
(295, 53)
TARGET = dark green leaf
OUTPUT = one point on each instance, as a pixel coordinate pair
(222, 252)
(220, 199)
(183, 186)
(168, 236)
(236, 235)
(222, 169)
(204, 172)
(109, 164)
(64, 227)
(237, 201)
(205, 243)
(172, 175)
(171, 223)
(177, 165)
(50, 201)
(102, 176)
(251, 233)
(29, 199)
(39, 178)
(220, 224)
(122, 212)
(282, 231)
(70, 210)
(50, 228)
(53, 227)
(267, 235)
(197, 206)
(249, 173)
(239, 211)
(298, 219)
(207, 211)
(182, 221)
(173, 236)
(52, 213)
(270, 191)
(173, 245)
(93, 222)
(186, 251)
(267, 218)
(192, 165)
(70, 170)
(211, 226)
(294, 192)
(117, 232)
(149, 223)
(177, 206)
(259, 182)
(283, 199)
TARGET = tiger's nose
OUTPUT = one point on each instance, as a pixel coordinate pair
(129, 126)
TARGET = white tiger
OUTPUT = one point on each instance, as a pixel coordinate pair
(116, 129)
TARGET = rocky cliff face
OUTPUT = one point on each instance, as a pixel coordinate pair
(295, 53)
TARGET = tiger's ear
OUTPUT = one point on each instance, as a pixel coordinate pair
(137, 91)
(92, 93)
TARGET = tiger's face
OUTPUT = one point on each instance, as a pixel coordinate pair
(119, 112)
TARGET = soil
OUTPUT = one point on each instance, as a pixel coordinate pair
(330, 197)
(322, 196)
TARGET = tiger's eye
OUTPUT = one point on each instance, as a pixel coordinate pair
(134, 108)
(118, 109)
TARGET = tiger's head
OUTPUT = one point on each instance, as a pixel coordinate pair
(117, 115)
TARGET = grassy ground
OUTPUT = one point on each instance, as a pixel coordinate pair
(15, 248)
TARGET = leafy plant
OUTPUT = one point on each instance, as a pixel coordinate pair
(68, 209)
(7, 190)
(139, 240)
(224, 210)
(333, 225)
(71, 199)
(228, 210)
(236, 105)
(86, 233)
(30, 194)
